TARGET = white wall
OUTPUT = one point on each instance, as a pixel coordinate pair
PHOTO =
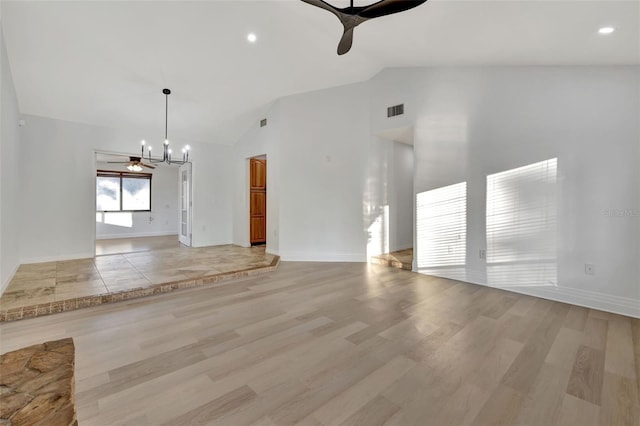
(10, 163)
(401, 203)
(212, 195)
(316, 145)
(324, 139)
(471, 122)
(161, 220)
(256, 142)
(58, 188)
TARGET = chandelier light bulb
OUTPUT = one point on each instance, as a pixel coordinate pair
(165, 151)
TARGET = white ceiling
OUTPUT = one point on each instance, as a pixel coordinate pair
(105, 63)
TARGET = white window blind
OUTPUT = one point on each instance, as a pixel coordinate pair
(441, 222)
(521, 214)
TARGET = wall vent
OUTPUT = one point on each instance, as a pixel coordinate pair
(263, 122)
(392, 111)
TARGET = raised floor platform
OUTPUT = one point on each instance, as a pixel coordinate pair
(52, 287)
(37, 385)
(402, 259)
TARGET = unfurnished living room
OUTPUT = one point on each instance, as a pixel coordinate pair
(320, 213)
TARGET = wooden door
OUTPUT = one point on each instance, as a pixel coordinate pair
(258, 200)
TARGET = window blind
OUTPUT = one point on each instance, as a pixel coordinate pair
(521, 214)
(441, 226)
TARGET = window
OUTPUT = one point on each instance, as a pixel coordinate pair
(123, 192)
(441, 225)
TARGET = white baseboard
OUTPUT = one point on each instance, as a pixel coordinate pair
(588, 299)
(57, 258)
(211, 244)
(574, 296)
(136, 235)
(294, 256)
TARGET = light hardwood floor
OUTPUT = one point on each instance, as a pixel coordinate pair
(316, 343)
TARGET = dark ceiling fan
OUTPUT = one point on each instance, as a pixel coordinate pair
(351, 16)
(135, 164)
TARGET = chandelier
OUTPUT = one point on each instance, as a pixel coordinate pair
(166, 150)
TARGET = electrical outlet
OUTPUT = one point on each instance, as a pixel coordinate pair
(589, 269)
(482, 254)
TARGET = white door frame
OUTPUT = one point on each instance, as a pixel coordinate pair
(186, 204)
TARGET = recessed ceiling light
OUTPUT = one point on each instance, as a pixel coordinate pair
(606, 30)
(252, 38)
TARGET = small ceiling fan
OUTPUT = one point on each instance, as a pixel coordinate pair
(135, 164)
(351, 16)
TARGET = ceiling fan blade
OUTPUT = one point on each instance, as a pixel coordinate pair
(388, 7)
(149, 166)
(323, 5)
(118, 162)
(346, 41)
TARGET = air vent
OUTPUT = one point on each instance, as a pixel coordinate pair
(263, 122)
(392, 111)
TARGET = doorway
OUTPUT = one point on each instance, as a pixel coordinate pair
(392, 219)
(258, 200)
(135, 210)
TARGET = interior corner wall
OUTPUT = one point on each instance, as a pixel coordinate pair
(472, 122)
(161, 220)
(212, 220)
(57, 188)
(324, 138)
(10, 156)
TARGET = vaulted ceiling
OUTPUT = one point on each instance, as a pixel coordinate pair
(105, 63)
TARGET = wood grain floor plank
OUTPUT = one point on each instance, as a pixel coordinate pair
(207, 413)
(620, 407)
(576, 318)
(635, 331)
(543, 404)
(586, 377)
(620, 358)
(332, 343)
(523, 371)
(575, 411)
(501, 408)
(595, 332)
(342, 406)
(564, 348)
(375, 413)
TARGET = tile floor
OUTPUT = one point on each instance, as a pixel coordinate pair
(42, 284)
(402, 259)
(131, 245)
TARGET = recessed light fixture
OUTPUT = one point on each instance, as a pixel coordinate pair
(606, 30)
(252, 38)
